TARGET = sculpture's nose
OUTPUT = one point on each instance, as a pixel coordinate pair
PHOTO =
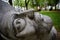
(19, 24)
(28, 30)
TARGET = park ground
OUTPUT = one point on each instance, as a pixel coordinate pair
(55, 16)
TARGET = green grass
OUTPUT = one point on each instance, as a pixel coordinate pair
(55, 16)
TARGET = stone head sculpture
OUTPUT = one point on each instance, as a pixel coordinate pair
(25, 25)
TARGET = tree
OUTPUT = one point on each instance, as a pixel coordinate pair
(37, 3)
(53, 3)
(22, 3)
(26, 4)
(19, 3)
(10, 1)
(34, 3)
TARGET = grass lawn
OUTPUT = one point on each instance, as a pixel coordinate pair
(55, 16)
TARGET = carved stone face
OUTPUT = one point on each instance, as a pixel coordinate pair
(23, 25)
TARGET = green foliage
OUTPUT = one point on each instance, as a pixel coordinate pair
(43, 2)
(52, 2)
(35, 3)
(40, 3)
(19, 3)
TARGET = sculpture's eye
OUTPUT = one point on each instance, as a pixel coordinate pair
(19, 24)
(31, 15)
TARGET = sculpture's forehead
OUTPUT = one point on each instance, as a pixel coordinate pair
(5, 0)
(27, 12)
(5, 6)
(24, 13)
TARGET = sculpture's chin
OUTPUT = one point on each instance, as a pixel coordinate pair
(28, 31)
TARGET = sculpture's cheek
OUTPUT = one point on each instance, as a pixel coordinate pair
(45, 27)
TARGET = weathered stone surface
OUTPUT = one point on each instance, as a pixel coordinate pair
(26, 25)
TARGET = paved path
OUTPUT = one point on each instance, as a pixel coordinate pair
(58, 36)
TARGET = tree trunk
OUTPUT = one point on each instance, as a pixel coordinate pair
(55, 7)
(26, 4)
(10, 1)
(51, 8)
